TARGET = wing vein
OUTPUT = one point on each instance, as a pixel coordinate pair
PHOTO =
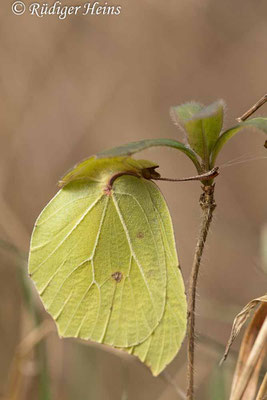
(132, 251)
(70, 232)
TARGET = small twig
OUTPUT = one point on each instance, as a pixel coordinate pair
(208, 205)
(203, 177)
(252, 109)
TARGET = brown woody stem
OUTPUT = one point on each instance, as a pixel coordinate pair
(202, 177)
(252, 109)
(208, 205)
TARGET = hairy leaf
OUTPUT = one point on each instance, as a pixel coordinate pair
(104, 262)
(212, 122)
(201, 124)
(183, 113)
(134, 147)
(259, 123)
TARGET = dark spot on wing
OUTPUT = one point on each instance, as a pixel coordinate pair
(150, 273)
(117, 276)
(140, 235)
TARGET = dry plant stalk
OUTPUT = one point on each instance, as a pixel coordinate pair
(240, 320)
(262, 394)
(21, 354)
(252, 360)
(251, 355)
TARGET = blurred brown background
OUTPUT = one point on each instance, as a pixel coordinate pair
(71, 88)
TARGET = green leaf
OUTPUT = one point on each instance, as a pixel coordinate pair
(212, 122)
(134, 147)
(259, 123)
(183, 113)
(201, 124)
(103, 260)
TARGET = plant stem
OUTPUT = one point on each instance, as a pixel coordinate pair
(44, 389)
(208, 205)
(252, 109)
